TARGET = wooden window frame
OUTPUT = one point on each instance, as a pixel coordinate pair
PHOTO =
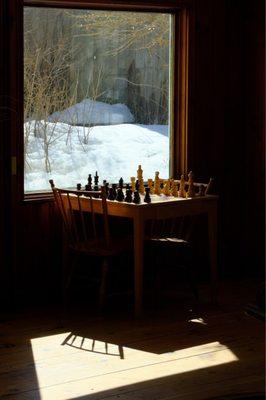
(181, 75)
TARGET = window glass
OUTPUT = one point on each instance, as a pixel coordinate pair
(96, 95)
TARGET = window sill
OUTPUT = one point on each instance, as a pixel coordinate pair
(38, 197)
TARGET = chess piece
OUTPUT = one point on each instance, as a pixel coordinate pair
(106, 186)
(201, 191)
(157, 188)
(120, 195)
(128, 197)
(121, 183)
(133, 183)
(174, 190)
(127, 186)
(136, 198)
(166, 188)
(137, 185)
(147, 198)
(140, 179)
(96, 181)
(150, 184)
(191, 187)
(114, 186)
(88, 186)
(209, 187)
(111, 195)
(182, 191)
(78, 186)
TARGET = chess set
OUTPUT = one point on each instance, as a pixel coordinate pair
(138, 191)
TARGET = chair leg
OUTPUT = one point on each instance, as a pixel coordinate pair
(191, 282)
(102, 292)
(67, 276)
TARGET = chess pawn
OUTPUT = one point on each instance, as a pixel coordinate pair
(137, 185)
(128, 197)
(182, 191)
(191, 187)
(111, 195)
(174, 190)
(133, 183)
(120, 195)
(147, 198)
(150, 185)
(166, 188)
(136, 198)
(114, 186)
(157, 188)
(78, 186)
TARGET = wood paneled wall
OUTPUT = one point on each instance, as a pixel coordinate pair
(226, 141)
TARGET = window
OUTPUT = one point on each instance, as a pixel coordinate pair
(97, 90)
(127, 103)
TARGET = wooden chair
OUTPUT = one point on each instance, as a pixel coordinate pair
(87, 233)
(172, 238)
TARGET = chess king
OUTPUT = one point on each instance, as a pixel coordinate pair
(140, 179)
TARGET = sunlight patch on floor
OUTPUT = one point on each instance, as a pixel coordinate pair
(69, 365)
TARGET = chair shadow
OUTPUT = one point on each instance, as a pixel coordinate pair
(71, 338)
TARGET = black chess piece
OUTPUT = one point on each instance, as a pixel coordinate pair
(136, 198)
(201, 191)
(128, 197)
(106, 185)
(147, 198)
(121, 182)
(114, 186)
(137, 185)
(78, 186)
(96, 181)
(127, 186)
(111, 195)
(88, 186)
(120, 195)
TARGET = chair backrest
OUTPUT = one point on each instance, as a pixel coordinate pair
(80, 214)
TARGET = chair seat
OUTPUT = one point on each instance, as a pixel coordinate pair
(168, 239)
(98, 247)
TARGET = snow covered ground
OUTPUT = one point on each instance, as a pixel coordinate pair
(74, 151)
(93, 112)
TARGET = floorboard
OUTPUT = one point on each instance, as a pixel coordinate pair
(171, 353)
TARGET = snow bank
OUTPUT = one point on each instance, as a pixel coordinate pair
(113, 151)
(91, 112)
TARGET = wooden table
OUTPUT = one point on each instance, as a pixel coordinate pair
(163, 207)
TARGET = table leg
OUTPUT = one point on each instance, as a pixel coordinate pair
(212, 232)
(138, 262)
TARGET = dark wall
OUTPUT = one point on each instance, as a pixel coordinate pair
(226, 141)
(228, 136)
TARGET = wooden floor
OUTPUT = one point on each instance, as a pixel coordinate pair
(172, 353)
